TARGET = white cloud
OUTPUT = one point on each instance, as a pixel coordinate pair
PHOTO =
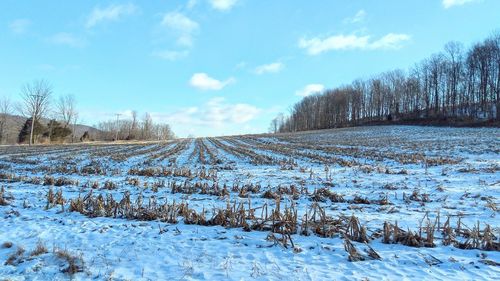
(19, 26)
(358, 17)
(450, 3)
(274, 67)
(310, 90)
(390, 41)
(317, 45)
(241, 65)
(191, 4)
(223, 5)
(182, 26)
(171, 55)
(210, 118)
(204, 82)
(179, 22)
(110, 13)
(67, 39)
(183, 29)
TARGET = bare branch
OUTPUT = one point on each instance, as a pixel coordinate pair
(66, 109)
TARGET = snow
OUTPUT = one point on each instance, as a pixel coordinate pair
(466, 185)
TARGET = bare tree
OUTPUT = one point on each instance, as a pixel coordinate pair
(454, 52)
(163, 132)
(52, 116)
(452, 86)
(129, 129)
(67, 113)
(133, 127)
(495, 40)
(117, 126)
(273, 127)
(74, 119)
(35, 102)
(5, 110)
(147, 126)
(66, 109)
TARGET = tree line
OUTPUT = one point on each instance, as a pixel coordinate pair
(37, 106)
(135, 128)
(454, 85)
(55, 121)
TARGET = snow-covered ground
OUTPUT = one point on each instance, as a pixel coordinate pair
(417, 178)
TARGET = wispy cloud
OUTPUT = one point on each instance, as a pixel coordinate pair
(68, 39)
(191, 4)
(19, 26)
(310, 90)
(109, 13)
(204, 82)
(274, 67)
(241, 65)
(451, 3)
(181, 26)
(223, 5)
(390, 41)
(171, 55)
(357, 18)
(318, 45)
(214, 115)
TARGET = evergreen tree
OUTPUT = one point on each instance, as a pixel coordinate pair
(85, 137)
(56, 132)
(24, 134)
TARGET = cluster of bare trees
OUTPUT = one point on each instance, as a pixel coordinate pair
(50, 119)
(5, 111)
(134, 128)
(455, 84)
(37, 105)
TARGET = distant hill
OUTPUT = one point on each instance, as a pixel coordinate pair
(15, 123)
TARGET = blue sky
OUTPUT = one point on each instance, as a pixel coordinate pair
(219, 67)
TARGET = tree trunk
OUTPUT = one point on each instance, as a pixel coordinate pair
(31, 131)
